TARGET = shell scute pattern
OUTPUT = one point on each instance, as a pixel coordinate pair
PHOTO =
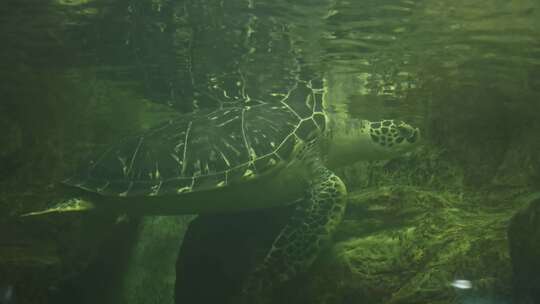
(207, 150)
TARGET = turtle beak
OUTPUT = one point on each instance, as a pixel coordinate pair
(415, 137)
(405, 130)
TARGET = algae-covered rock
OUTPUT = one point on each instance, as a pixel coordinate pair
(410, 245)
(397, 244)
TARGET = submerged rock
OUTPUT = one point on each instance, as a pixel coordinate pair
(524, 238)
(28, 266)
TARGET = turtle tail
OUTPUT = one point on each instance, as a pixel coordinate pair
(69, 205)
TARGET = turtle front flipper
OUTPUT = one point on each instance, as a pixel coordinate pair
(310, 227)
(69, 205)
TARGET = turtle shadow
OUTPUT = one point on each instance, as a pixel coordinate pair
(219, 251)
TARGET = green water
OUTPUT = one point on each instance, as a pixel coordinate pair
(79, 75)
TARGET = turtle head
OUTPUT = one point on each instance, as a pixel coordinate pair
(391, 137)
(356, 140)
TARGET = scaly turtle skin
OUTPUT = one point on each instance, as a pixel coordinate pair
(244, 157)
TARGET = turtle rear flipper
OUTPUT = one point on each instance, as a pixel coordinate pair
(69, 205)
(309, 229)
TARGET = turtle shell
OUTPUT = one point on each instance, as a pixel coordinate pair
(202, 151)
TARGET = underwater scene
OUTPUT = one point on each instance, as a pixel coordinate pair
(270, 152)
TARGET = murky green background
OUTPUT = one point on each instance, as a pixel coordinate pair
(77, 75)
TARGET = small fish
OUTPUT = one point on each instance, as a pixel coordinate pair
(7, 295)
(461, 284)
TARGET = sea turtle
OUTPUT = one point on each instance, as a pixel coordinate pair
(244, 156)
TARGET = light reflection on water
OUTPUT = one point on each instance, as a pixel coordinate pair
(382, 50)
(386, 54)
